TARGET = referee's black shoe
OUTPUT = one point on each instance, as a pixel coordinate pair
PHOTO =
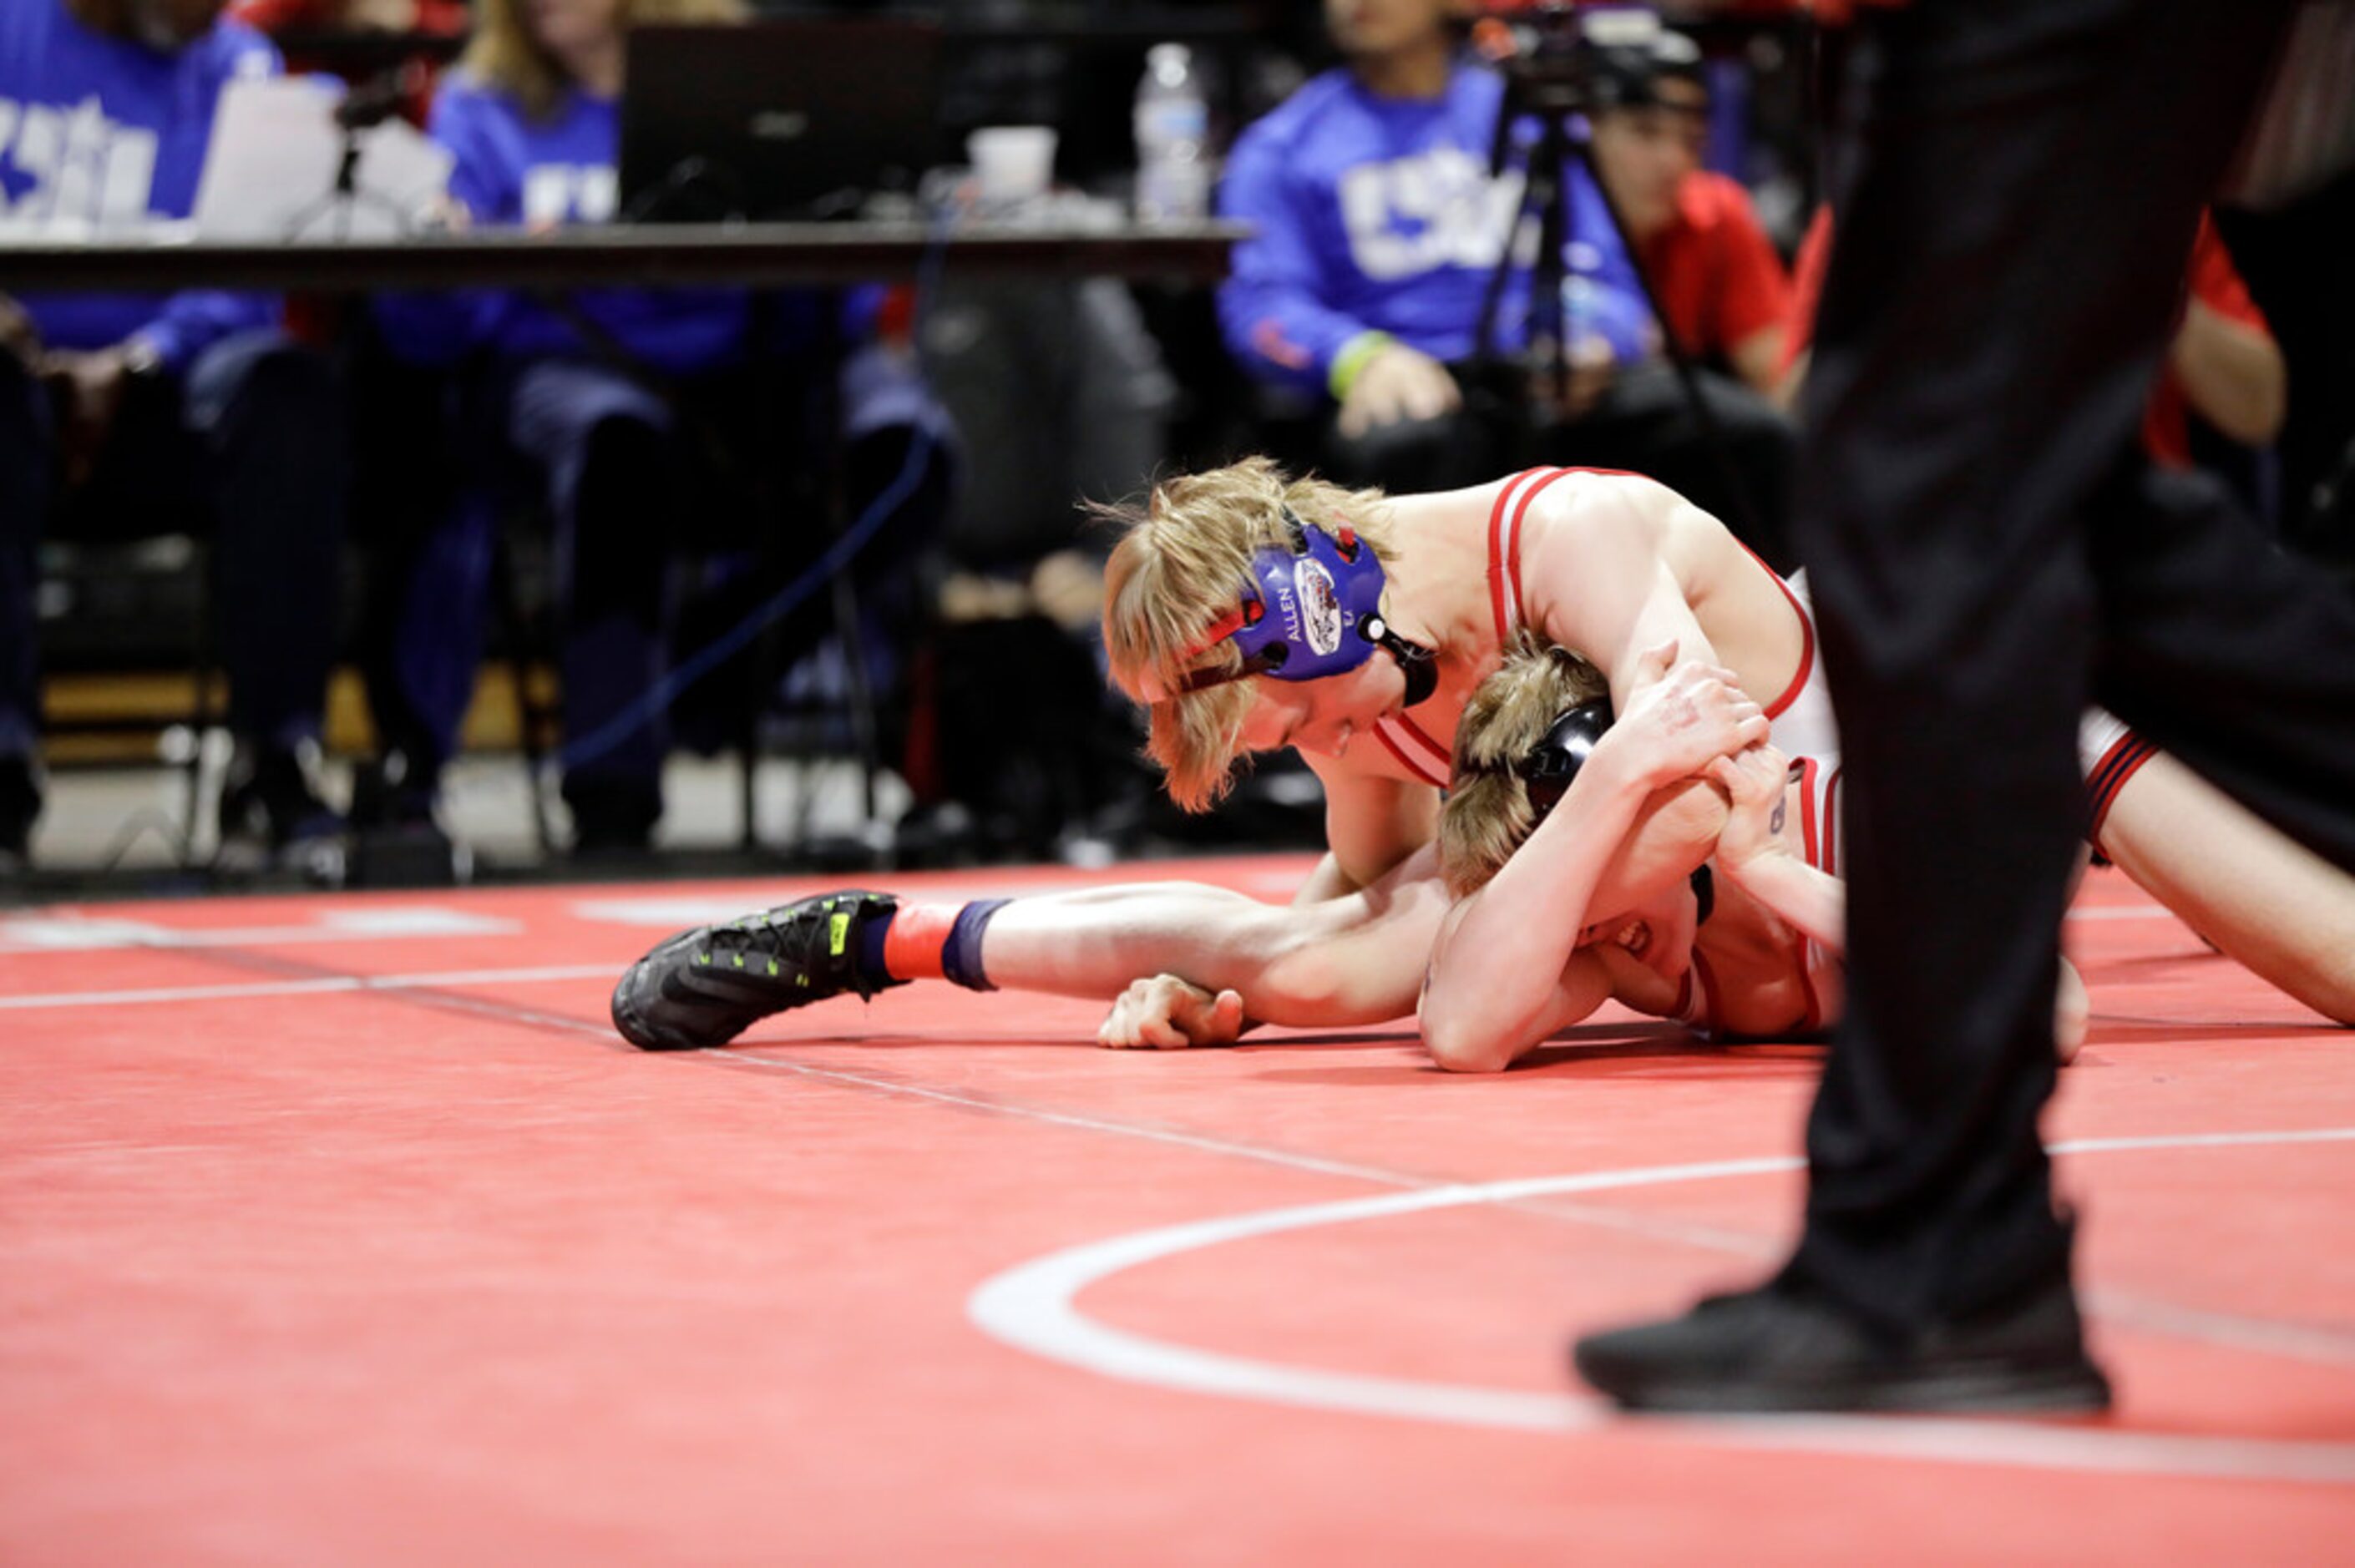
(707, 985)
(1785, 1346)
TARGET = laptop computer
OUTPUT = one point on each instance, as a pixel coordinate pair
(787, 119)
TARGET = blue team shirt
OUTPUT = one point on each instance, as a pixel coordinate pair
(513, 169)
(1376, 213)
(102, 133)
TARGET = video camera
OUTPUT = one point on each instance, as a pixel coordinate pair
(1574, 57)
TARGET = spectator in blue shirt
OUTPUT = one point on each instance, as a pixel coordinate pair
(633, 415)
(115, 410)
(1378, 228)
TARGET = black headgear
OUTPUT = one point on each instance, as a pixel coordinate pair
(1549, 766)
(1547, 769)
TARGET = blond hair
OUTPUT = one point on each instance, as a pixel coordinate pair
(1487, 813)
(507, 56)
(1183, 560)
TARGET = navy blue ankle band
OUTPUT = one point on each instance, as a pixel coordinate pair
(961, 958)
(868, 958)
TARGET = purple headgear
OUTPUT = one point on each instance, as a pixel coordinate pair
(1313, 609)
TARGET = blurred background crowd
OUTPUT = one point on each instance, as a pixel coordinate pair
(402, 587)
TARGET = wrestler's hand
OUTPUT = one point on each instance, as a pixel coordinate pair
(1167, 1013)
(1399, 383)
(1753, 780)
(1682, 718)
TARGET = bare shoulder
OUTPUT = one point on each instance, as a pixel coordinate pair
(1595, 525)
(1448, 509)
(1590, 504)
(1589, 539)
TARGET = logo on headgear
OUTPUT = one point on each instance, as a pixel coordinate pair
(1320, 607)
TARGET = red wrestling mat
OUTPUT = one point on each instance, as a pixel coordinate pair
(342, 1230)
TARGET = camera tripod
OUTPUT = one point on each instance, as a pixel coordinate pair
(363, 109)
(1551, 85)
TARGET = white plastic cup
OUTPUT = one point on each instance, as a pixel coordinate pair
(1011, 163)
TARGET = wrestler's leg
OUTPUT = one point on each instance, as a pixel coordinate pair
(2256, 893)
(1354, 959)
(1329, 962)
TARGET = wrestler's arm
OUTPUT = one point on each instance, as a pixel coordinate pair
(1813, 902)
(1571, 991)
(1596, 577)
(1372, 824)
(1755, 852)
(1503, 954)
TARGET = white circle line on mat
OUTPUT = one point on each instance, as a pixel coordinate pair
(1033, 1307)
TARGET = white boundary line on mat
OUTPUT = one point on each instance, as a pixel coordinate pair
(324, 985)
(1032, 1308)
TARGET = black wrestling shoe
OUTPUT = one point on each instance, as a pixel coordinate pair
(1783, 1347)
(708, 986)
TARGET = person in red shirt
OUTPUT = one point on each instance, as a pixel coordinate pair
(2222, 364)
(1720, 282)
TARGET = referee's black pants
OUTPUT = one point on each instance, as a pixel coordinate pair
(2020, 204)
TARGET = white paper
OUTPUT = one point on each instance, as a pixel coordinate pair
(270, 173)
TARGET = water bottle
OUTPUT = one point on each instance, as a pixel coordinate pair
(1173, 135)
